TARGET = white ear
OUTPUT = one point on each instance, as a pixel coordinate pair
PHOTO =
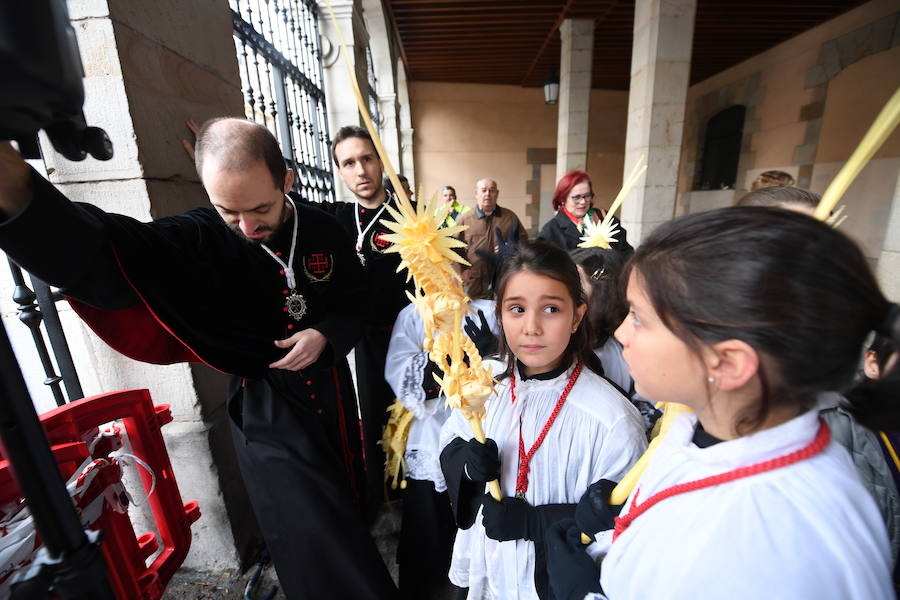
(731, 364)
(870, 365)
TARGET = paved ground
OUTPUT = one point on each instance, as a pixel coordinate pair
(196, 585)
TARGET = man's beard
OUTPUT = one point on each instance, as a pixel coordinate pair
(237, 231)
(272, 232)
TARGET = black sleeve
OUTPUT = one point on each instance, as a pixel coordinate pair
(66, 245)
(549, 514)
(465, 494)
(622, 244)
(550, 233)
(343, 324)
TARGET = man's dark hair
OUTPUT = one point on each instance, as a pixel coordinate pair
(389, 185)
(236, 144)
(347, 132)
(779, 195)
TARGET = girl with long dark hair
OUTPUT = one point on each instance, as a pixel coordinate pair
(746, 316)
(554, 426)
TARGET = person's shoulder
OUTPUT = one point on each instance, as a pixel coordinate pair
(601, 400)
(550, 228)
(466, 217)
(313, 216)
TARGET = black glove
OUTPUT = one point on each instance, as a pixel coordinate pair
(594, 513)
(430, 386)
(572, 571)
(482, 460)
(510, 519)
(504, 245)
(484, 338)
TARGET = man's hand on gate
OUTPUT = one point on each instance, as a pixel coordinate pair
(188, 145)
(15, 182)
(307, 346)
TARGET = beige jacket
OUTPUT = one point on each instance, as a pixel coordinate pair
(482, 235)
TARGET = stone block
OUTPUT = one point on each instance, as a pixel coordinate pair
(813, 110)
(105, 106)
(892, 236)
(805, 154)
(163, 90)
(670, 82)
(804, 175)
(212, 543)
(641, 47)
(751, 126)
(882, 31)
(888, 273)
(123, 196)
(818, 93)
(895, 39)
(87, 9)
(676, 34)
(173, 24)
(662, 166)
(815, 76)
(689, 169)
(829, 58)
(754, 81)
(813, 128)
(641, 87)
(854, 45)
(666, 124)
(540, 156)
(579, 104)
(658, 203)
(755, 96)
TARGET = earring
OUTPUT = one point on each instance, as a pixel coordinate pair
(711, 379)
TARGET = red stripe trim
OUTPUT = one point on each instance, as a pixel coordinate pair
(155, 316)
(345, 440)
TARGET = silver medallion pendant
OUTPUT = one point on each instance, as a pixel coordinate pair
(296, 305)
(362, 259)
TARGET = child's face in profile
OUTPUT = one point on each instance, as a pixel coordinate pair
(538, 316)
(663, 367)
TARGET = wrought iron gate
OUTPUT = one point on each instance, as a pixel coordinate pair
(280, 60)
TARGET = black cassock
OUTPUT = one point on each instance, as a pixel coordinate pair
(186, 288)
(386, 298)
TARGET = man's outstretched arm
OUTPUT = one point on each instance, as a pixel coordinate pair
(56, 240)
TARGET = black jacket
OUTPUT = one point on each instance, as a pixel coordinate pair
(561, 231)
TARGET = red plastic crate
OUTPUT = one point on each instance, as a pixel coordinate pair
(67, 429)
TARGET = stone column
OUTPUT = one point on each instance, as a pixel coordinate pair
(405, 124)
(339, 96)
(660, 69)
(576, 62)
(378, 28)
(147, 70)
(888, 268)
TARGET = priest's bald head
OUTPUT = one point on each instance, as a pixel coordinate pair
(245, 176)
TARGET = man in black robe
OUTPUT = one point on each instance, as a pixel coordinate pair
(256, 287)
(361, 169)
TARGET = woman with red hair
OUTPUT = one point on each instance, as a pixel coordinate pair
(573, 202)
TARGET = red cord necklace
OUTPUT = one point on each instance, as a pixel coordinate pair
(816, 446)
(525, 457)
